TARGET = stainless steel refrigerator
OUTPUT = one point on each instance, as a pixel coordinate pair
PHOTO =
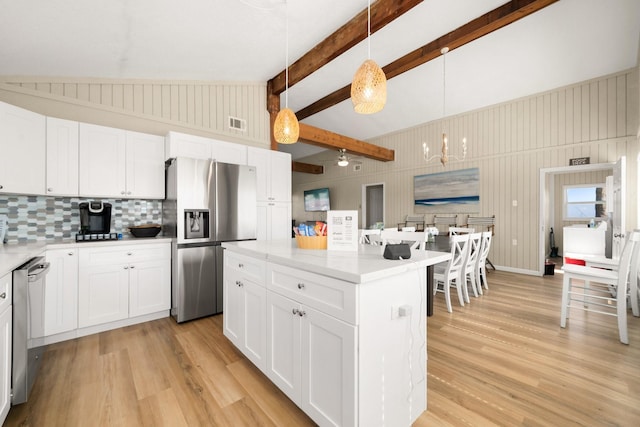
(206, 203)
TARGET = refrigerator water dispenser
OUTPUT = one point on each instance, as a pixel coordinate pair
(196, 224)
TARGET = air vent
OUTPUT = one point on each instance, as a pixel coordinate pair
(357, 168)
(237, 124)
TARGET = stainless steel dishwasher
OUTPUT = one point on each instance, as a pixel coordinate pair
(28, 322)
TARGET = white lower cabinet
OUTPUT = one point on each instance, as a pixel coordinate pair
(120, 282)
(285, 329)
(61, 295)
(312, 359)
(245, 305)
(5, 345)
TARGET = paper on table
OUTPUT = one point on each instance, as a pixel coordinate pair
(342, 230)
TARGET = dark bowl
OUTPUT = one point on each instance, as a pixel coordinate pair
(150, 230)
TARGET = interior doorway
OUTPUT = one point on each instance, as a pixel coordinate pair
(372, 204)
(547, 198)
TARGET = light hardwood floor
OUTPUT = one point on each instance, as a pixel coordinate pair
(502, 360)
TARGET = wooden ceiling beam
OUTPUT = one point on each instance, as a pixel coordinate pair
(497, 18)
(323, 138)
(307, 168)
(350, 34)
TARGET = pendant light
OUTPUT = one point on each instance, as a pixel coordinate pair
(286, 128)
(444, 147)
(369, 85)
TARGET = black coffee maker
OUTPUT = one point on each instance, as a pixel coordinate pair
(95, 218)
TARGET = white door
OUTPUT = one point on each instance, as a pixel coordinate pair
(255, 325)
(104, 294)
(5, 363)
(61, 293)
(149, 287)
(145, 166)
(619, 206)
(328, 368)
(62, 157)
(283, 344)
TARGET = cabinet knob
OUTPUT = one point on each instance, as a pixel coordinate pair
(123, 192)
(300, 285)
(49, 189)
(126, 267)
(129, 253)
(3, 295)
(302, 313)
(240, 265)
(239, 283)
(70, 254)
(132, 266)
(1, 187)
(295, 311)
(129, 192)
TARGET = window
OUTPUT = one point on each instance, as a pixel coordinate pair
(583, 202)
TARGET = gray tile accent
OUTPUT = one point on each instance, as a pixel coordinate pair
(37, 218)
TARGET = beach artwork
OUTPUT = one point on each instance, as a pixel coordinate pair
(439, 191)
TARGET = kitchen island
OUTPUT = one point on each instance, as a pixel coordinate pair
(342, 334)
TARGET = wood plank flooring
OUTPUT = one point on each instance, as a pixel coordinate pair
(503, 360)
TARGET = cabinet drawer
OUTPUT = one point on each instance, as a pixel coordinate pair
(330, 296)
(248, 267)
(124, 254)
(5, 291)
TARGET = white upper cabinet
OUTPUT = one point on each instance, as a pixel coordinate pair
(102, 161)
(145, 166)
(22, 156)
(274, 174)
(119, 163)
(62, 157)
(197, 147)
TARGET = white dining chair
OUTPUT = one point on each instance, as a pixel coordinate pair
(471, 266)
(606, 292)
(481, 267)
(415, 239)
(461, 230)
(451, 273)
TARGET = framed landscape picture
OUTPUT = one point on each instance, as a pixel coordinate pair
(455, 191)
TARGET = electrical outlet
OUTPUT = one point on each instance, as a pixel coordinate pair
(514, 242)
(514, 203)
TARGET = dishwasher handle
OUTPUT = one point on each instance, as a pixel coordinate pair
(39, 271)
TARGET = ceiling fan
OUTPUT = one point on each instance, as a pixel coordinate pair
(344, 160)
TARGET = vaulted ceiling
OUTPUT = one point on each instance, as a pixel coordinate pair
(564, 42)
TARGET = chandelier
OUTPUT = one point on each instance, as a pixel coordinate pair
(444, 147)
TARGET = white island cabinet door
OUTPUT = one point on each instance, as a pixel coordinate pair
(61, 296)
(145, 166)
(102, 171)
(22, 160)
(283, 345)
(328, 369)
(62, 157)
(255, 326)
(233, 307)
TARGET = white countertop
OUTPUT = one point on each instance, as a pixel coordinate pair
(13, 255)
(365, 265)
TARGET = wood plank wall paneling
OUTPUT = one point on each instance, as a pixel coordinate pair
(201, 106)
(509, 143)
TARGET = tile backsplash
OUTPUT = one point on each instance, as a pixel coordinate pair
(37, 218)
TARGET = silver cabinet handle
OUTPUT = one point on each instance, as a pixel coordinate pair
(3, 295)
(49, 189)
(70, 254)
(301, 313)
(133, 266)
(126, 267)
(123, 192)
(129, 253)
(300, 285)
(295, 311)
(239, 283)
(241, 265)
(1, 187)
